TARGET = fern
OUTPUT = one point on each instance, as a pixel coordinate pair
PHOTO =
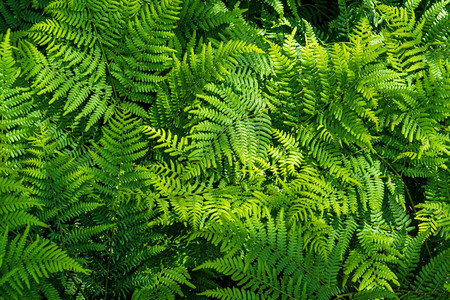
(275, 263)
(21, 15)
(200, 20)
(191, 74)
(16, 103)
(239, 117)
(146, 54)
(432, 277)
(197, 149)
(124, 214)
(24, 264)
(42, 259)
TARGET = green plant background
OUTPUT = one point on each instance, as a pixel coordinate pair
(209, 149)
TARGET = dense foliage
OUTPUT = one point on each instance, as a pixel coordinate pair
(209, 149)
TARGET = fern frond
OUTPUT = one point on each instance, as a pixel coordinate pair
(145, 54)
(272, 264)
(433, 275)
(42, 258)
(16, 103)
(230, 124)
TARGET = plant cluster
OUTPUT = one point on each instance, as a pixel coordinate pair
(210, 149)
